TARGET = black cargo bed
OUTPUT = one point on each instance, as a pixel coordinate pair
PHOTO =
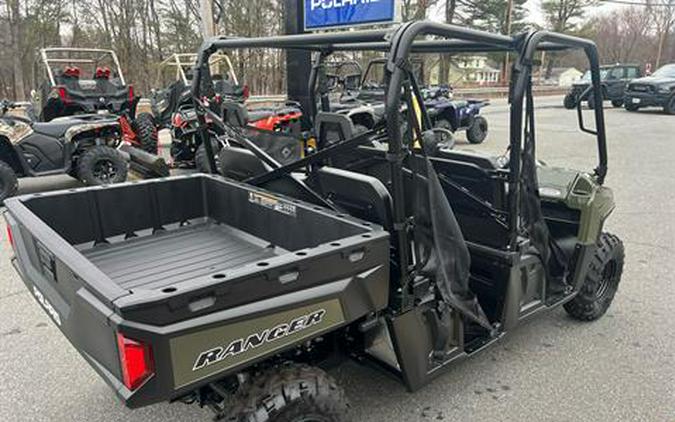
(173, 256)
(150, 241)
(161, 261)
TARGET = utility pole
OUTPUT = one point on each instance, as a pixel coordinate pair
(206, 13)
(505, 67)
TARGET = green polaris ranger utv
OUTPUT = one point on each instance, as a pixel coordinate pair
(236, 292)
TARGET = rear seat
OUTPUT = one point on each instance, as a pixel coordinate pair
(360, 195)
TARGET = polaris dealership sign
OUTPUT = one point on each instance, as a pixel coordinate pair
(322, 14)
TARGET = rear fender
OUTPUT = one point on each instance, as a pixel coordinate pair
(9, 155)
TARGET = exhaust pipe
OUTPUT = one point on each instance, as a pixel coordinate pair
(147, 165)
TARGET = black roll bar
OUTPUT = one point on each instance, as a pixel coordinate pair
(400, 44)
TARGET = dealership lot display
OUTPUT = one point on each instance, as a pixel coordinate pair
(439, 258)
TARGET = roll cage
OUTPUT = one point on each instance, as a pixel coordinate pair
(399, 44)
(51, 56)
(181, 63)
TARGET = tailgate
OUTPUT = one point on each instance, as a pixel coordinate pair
(54, 273)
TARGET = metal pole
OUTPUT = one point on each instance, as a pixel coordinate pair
(206, 14)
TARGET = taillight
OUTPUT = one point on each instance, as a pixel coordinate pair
(137, 361)
(247, 92)
(10, 236)
(63, 94)
(131, 92)
(177, 121)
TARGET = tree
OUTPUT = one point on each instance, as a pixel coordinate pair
(444, 65)
(663, 12)
(563, 16)
(14, 17)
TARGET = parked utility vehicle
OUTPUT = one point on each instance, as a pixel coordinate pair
(231, 294)
(79, 81)
(84, 147)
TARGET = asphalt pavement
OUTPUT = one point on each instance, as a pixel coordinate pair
(620, 368)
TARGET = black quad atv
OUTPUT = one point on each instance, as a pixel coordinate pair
(614, 80)
(232, 294)
(80, 81)
(84, 147)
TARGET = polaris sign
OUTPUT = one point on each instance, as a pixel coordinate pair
(322, 14)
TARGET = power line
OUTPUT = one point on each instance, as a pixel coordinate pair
(636, 3)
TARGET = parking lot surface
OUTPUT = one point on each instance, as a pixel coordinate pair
(621, 367)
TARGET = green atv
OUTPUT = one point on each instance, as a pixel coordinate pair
(237, 294)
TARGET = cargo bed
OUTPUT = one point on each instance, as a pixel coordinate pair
(174, 256)
(183, 264)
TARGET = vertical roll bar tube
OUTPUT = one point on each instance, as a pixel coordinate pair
(402, 44)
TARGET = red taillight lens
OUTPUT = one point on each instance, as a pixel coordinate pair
(63, 94)
(131, 92)
(247, 92)
(137, 361)
(10, 236)
(177, 121)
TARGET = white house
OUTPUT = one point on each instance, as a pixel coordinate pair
(477, 70)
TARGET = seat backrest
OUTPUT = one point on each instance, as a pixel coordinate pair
(235, 114)
(358, 194)
(485, 162)
(240, 163)
(332, 127)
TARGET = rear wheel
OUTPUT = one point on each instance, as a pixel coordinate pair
(477, 133)
(102, 165)
(296, 393)
(9, 183)
(670, 105)
(570, 101)
(146, 131)
(602, 280)
(447, 140)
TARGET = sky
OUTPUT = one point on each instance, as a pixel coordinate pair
(532, 6)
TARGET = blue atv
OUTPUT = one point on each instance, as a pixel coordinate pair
(456, 115)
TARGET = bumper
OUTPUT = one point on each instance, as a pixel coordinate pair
(642, 99)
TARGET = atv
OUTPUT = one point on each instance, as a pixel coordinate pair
(363, 102)
(84, 147)
(173, 108)
(75, 81)
(234, 293)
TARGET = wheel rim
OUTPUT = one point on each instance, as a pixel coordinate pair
(105, 171)
(609, 274)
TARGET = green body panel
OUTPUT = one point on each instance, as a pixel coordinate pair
(578, 191)
(227, 344)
